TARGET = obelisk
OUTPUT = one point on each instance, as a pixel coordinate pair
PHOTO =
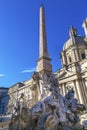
(43, 63)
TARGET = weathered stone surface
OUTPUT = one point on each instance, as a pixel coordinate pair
(53, 111)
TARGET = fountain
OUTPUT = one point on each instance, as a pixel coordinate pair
(52, 112)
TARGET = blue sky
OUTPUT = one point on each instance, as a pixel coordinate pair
(19, 34)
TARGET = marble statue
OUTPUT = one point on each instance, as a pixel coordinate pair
(53, 110)
(53, 107)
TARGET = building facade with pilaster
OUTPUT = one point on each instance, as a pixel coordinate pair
(73, 73)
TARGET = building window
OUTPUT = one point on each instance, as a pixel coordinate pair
(69, 59)
(82, 53)
(83, 56)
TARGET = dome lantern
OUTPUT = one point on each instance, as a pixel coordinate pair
(73, 31)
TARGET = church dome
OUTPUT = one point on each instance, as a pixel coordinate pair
(74, 39)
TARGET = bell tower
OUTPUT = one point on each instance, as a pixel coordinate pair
(84, 25)
(43, 63)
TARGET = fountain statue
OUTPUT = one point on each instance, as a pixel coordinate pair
(52, 111)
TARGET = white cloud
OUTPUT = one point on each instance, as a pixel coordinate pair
(28, 70)
(2, 75)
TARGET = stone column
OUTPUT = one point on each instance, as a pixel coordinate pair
(76, 92)
(75, 55)
(80, 92)
(84, 93)
(64, 58)
(86, 52)
(63, 89)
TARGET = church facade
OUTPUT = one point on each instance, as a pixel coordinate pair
(73, 73)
